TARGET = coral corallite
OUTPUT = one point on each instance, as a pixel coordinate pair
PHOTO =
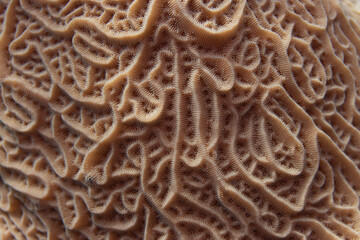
(179, 119)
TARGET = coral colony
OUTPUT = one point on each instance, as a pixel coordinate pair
(179, 119)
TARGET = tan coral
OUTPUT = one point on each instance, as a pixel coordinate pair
(179, 119)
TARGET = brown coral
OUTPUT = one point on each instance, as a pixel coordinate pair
(179, 119)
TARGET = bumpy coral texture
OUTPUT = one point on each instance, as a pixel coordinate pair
(179, 119)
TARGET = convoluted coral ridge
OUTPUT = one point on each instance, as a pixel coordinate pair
(179, 119)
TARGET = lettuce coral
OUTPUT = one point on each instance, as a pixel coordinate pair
(179, 119)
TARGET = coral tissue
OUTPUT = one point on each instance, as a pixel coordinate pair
(179, 119)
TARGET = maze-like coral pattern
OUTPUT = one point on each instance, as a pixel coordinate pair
(179, 119)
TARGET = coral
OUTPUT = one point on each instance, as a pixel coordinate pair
(179, 119)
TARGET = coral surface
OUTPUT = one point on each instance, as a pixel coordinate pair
(179, 119)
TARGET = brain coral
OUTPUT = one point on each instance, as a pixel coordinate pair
(179, 119)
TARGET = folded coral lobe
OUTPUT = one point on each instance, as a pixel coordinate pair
(179, 119)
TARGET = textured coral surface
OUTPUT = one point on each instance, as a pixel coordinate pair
(179, 119)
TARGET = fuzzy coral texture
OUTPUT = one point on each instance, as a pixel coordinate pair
(179, 119)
